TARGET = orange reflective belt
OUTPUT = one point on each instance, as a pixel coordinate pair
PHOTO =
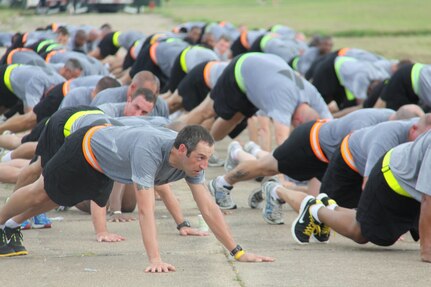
(346, 154)
(314, 140)
(343, 51)
(51, 54)
(244, 41)
(9, 57)
(153, 53)
(207, 71)
(88, 151)
(66, 87)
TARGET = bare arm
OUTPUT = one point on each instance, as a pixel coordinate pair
(425, 228)
(98, 216)
(145, 201)
(215, 220)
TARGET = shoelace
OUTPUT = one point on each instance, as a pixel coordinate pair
(311, 227)
(16, 236)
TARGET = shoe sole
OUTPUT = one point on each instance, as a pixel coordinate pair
(209, 185)
(259, 205)
(40, 226)
(292, 228)
(314, 240)
(271, 222)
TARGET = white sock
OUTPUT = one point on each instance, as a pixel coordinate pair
(274, 191)
(2, 226)
(7, 157)
(234, 153)
(11, 223)
(314, 209)
(255, 150)
(221, 182)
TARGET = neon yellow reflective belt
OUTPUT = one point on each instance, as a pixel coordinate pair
(183, 59)
(275, 28)
(7, 76)
(74, 117)
(43, 43)
(238, 77)
(416, 70)
(338, 62)
(52, 46)
(115, 39)
(265, 39)
(295, 63)
(390, 178)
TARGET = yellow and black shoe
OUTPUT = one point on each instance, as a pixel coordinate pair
(14, 237)
(304, 225)
(5, 249)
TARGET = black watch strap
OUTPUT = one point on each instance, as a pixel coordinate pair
(185, 223)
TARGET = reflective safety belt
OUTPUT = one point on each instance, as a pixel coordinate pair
(43, 43)
(265, 39)
(71, 120)
(416, 71)
(343, 51)
(51, 54)
(10, 56)
(88, 151)
(66, 87)
(238, 76)
(244, 41)
(153, 55)
(295, 63)
(390, 178)
(338, 62)
(115, 39)
(183, 63)
(314, 140)
(132, 50)
(7, 73)
(347, 155)
(207, 71)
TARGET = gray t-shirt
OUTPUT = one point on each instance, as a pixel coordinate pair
(126, 39)
(274, 88)
(215, 71)
(77, 96)
(167, 52)
(28, 57)
(306, 59)
(410, 163)
(285, 49)
(333, 132)
(367, 145)
(119, 95)
(138, 155)
(363, 55)
(196, 55)
(424, 84)
(90, 65)
(29, 83)
(357, 75)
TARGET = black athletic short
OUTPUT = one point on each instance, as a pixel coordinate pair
(399, 90)
(295, 157)
(35, 133)
(52, 137)
(227, 96)
(341, 183)
(193, 88)
(177, 74)
(7, 98)
(69, 179)
(128, 60)
(237, 48)
(49, 103)
(375, 94)
(326, 82)
(383, 214)
(256, 45)
(106, 46)
(143, 62)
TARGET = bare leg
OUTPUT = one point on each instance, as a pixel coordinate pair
(252, 128)
(26, 151)
(29, 174)
(264, 132)
(291, 197)
(267, 166)
(10, 142)
(128, 204)
(199, 114)
(9, 171)
(84, 206)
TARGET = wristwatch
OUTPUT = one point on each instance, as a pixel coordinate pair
(185, 223)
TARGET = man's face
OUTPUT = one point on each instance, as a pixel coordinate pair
(139, 106)
(197, 160)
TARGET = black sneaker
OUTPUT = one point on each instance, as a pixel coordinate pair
(303, 226)
(5, 249)
(322, 234)
(15, 239)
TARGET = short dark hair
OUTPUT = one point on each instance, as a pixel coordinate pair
(62, 30)
(191, 135)
(73, 64)
(146, 93)
(105, 83)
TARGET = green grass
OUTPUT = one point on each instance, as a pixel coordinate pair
(394, 28)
